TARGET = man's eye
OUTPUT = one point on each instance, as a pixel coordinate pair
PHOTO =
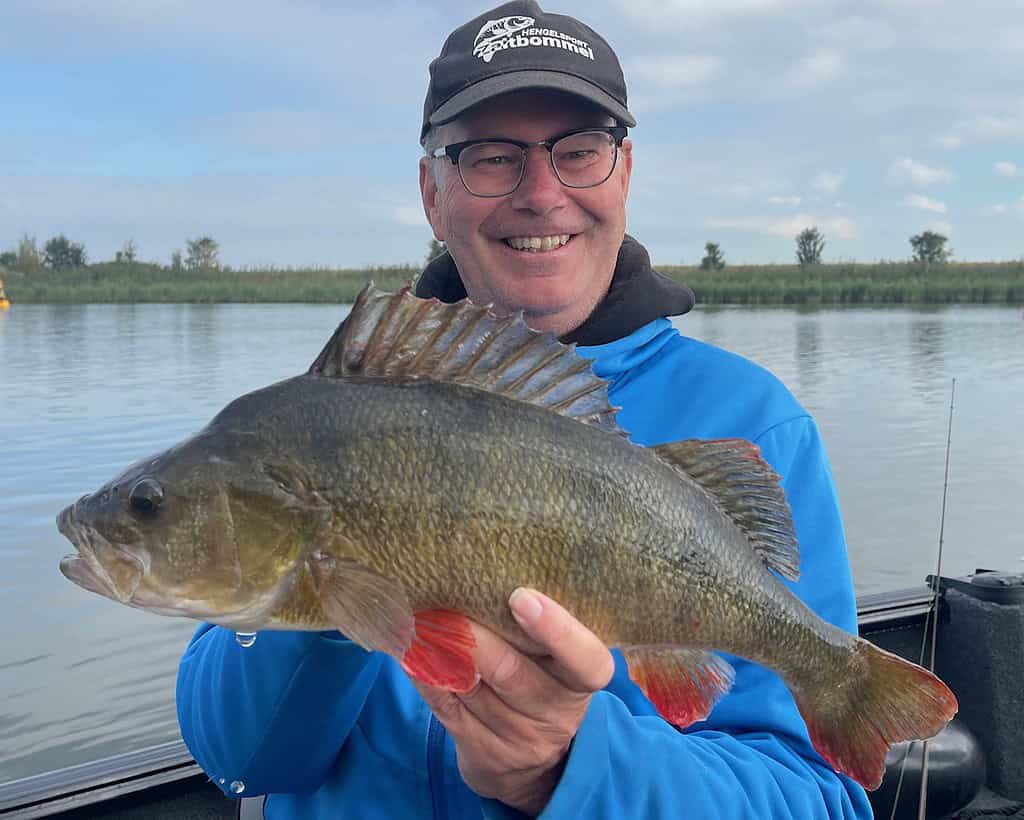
(496, 160)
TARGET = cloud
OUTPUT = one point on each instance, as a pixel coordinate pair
(907, 170)
(998, 209)
(1003, 125)
(274, 131)
(1007, 169)
(672, 71)
(925, 204)
(789, 227)
(828, 181)
(784, 200)
(410, 215)
(940, 226)
(860, 32)
(677, 14)
(746, 190)
(1010, 38)
(817, 69)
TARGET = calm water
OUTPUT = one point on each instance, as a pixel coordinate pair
(85, 390)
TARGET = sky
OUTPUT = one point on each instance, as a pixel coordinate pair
(288, 130)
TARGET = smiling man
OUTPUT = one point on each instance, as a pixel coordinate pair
(538, 227)
(525, 178)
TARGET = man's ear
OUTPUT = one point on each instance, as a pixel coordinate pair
(428, 192)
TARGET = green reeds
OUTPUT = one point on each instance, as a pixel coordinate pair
(832, 284)
(851, 283)
(139, 282)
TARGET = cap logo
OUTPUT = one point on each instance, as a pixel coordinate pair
(516, 32)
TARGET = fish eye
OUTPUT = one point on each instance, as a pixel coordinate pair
(146, 495)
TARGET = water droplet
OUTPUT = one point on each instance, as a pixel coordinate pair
(237, 787)
(245, 639)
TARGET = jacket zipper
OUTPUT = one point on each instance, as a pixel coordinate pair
(435, 767)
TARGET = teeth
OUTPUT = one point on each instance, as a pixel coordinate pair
(537, 243)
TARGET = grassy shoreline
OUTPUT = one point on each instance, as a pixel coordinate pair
(830, 284)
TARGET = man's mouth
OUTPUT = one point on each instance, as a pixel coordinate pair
(538, 244)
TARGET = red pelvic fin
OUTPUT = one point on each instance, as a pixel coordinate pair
(683, 684)
(441, 652)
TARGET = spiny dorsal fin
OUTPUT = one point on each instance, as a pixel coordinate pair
(748, 491)
(399, 336)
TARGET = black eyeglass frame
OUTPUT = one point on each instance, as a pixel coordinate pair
(616, 132)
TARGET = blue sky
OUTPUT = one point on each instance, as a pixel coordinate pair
(288, 131)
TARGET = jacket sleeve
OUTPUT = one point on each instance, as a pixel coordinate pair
(271, 716)
(752, 757)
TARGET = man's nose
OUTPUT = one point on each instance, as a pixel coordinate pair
(540, 190)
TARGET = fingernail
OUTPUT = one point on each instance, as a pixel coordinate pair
(525, 605)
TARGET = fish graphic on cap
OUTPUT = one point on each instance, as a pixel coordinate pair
(494, 31)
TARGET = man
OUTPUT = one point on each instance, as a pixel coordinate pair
(525, 180)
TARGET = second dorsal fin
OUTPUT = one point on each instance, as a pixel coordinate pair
(748, 491)
(399, 336)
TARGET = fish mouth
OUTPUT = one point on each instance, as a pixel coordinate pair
(100, 566)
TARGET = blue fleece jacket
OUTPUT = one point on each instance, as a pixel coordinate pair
(328, 730)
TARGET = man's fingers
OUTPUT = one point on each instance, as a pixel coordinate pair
(580, 660)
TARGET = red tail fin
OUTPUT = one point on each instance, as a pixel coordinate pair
(879, 699)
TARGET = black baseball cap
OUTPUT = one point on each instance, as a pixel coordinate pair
(518, 46)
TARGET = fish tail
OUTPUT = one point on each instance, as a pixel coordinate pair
(880, 699)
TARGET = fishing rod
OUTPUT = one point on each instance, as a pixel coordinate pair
(922, 803)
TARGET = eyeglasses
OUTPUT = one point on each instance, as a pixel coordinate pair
(581, 158)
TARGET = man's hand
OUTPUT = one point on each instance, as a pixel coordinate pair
(513, 730)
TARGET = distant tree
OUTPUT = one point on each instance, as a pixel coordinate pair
(60, 253)
(28, 258)
(810, 242)
(713, 258)
(129, 251)
(8, 259)
(435, 249)
(202, 254)
(176, 264)
(930, 247)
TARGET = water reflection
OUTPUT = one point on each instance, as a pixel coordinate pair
(809, 353)
(927, 349)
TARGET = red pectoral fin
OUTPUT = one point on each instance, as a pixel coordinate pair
(441, 651)
(683, 684)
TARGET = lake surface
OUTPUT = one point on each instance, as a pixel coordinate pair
(86, 390)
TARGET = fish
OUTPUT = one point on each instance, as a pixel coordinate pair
(434, 458)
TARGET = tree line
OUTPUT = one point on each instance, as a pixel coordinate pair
(60, 253)
(927, 247)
